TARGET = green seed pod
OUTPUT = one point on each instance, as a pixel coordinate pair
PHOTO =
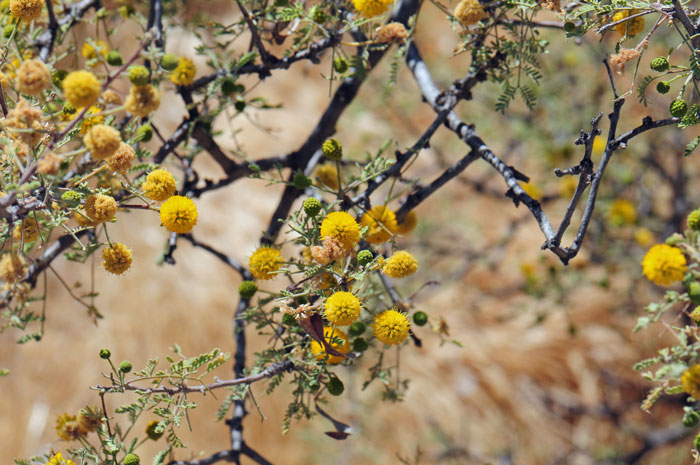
(420, 318)
(312, 206)
(365, 257)
(317, 15)
(151, 431)
(569, 27)
(678, 108)
(125, 366)
(663, 87)
(313, 386)
(239, 105)
(340, 65)
(114, 58)
(139, 75)
(169, 61)
(131, 459)
(690, 418)
(144, 133)
(359, 345)
(71, 198)
(332, 149)
(335, 386)
(57, 77)
(288, 320)
(8, 30)
(659, 64)
(694, 220)
(694, 292)
(247, 289)
(228, 86)
(357, 328)
(301, 182)
(105, 354)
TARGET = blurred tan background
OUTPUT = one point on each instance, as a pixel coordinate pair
(536, 370)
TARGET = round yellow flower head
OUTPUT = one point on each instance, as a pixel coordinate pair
(691, 381)
(342, 227)
(26, 10)
(643, 237)
(81, 88)
(391, 327)
(102, 141)
(664, 264)
(381, 222)
(622, 212)
(57, 459)
(327, 175)
(371, 8)
(92, 117)
(29, 229)
(264, 262)
(11, 267)
(100, 208)
(183, 75)
(469, 12)
(178, 214)
(630, 27)
(159, 185)
(409, 223)
(342, 308)
(400, 265)
(116, 259)
(142, 100)
(33, 77)
(68, 428)
(337, 339)
(89, 53)
(111, 98)
(121, 159)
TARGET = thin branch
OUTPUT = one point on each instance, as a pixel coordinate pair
(227, 259)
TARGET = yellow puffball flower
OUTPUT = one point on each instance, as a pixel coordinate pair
(381, 222)
(532, 190)
(100, 208)
(264, 262)
(91, 118)
(102, 141)
(57, 459)
(643, 237)
(33, 77)
(342, 308)
(622, 212)
(469, 12)
(26, 10)
(337, 339)
(631, 27)
(371, 8)
(327, 175)
(664, 264)
(90, 53)
(183, 75)
(83, 220)
(409, 223)
(29, 229)
(11, 267)
(178, 214)
(391, 327)
(116, 259)
(400, 265)
(691, 381)
(81, 88)
(159, 185)
(342, 227)
(121, 160)
(142, 100)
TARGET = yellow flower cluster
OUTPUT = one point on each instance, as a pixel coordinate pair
(121, 160)
(102, 141)
(327, 175)
(342, 227)
(117, 258)
(142, 100)
(622, 212)
(27, 229)
(337, 339)
(469, 12)
(33, 77)
(92, 117)
(184, 74)
(664, 264)
(100, 208)
(90, 53)
(630, 27)
(159, 185)
(409, 223)
(381, 222)
(391, 327)
(178, 214)
(264, 262)
(342, 308)
(81, 88)
(400, 265)
(691, 381)
(26, 10)
(12, 267)
(371, 8)
(57, 459)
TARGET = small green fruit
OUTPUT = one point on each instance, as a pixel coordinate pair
(247, 289)
(690, 418)
(335, 386)
(694, 220)
(659, 64)
(678, 108)
(365, 257)
(71, 198)
(57, 76)
(228, 86)
(105, 354)
(132, 459)
(301, 182)
(144, 133)
(8, 30)
(340, 65)
(125, 366)
(357, 328)
(139, 75)
(169, 61)
(694, 292)
(569, 27)
(239, 105)
(288, 320)
(663, 87)
(420, 318)
(359, 344)
(312, 206)
(332, 149)
(114, 58)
